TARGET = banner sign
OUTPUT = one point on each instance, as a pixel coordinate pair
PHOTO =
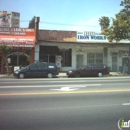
(17, 37)
(17, 31)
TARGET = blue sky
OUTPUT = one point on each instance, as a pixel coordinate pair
(63, 14)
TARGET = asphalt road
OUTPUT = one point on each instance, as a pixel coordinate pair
(64, 104)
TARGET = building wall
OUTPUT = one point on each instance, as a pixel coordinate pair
(120, 57)
(55, 35)
(83, 44)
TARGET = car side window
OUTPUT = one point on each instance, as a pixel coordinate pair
(95, 66)
(89, 67)
(42, 65)
(33, 66)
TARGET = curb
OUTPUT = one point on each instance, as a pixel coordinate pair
(63, 75)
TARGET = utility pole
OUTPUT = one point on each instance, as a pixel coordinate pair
(37, 20)
(129, 61)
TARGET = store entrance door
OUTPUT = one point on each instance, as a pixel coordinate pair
(49, 58)
(125, 64)
(114, 61)
(79, 61)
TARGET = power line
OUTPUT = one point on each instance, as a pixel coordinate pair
(63, 24)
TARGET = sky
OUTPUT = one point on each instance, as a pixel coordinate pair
(72, 15)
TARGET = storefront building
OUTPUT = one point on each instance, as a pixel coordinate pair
(72, 49)
(22, 43)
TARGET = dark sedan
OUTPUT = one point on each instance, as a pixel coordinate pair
(89, 70)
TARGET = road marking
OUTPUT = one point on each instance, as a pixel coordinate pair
(74, 88)
(66, 89)
(49, 86)
(126, 104)
(70, 92)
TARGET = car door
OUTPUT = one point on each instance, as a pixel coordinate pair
(87, 70)
(33, 70)
(43, 69)
(96, 70)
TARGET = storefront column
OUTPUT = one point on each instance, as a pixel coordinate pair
(36, 53)
(73, 58)
(105, 52)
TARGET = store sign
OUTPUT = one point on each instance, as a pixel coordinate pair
(17, 31)
(9, 19)
(17, 37)
(90, 36)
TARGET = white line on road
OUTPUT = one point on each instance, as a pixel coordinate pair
(126, 104)
(66, 89)
(48, 86)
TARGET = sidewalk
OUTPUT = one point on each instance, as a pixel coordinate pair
(63, 74)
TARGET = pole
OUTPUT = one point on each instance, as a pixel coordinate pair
(129, 62)
(7, 66)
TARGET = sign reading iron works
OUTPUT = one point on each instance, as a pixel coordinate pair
(90, 36)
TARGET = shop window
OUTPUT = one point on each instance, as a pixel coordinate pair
(99, 58)
(66, 57)
(20, 60)
(95, 58)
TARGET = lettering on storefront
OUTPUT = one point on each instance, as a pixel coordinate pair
(17, 37)
(88, 36)
(91, 37)
(17, 31)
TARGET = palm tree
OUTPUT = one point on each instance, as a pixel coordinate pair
(104, 23)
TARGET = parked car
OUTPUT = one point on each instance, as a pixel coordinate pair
(89, 70)
(39, 69)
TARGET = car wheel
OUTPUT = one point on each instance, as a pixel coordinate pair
(100, 74)
(77, 74)
(49, 75)
(21, 75)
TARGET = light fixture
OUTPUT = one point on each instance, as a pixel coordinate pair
(80, 50)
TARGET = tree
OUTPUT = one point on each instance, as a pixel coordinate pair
(120, 28)
(104, 23)
(5, 49)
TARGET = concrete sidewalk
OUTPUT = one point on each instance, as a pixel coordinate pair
(63, 74)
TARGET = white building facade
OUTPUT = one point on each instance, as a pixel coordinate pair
(85, 48)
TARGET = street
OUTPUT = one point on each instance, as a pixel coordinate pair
(64, 103)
